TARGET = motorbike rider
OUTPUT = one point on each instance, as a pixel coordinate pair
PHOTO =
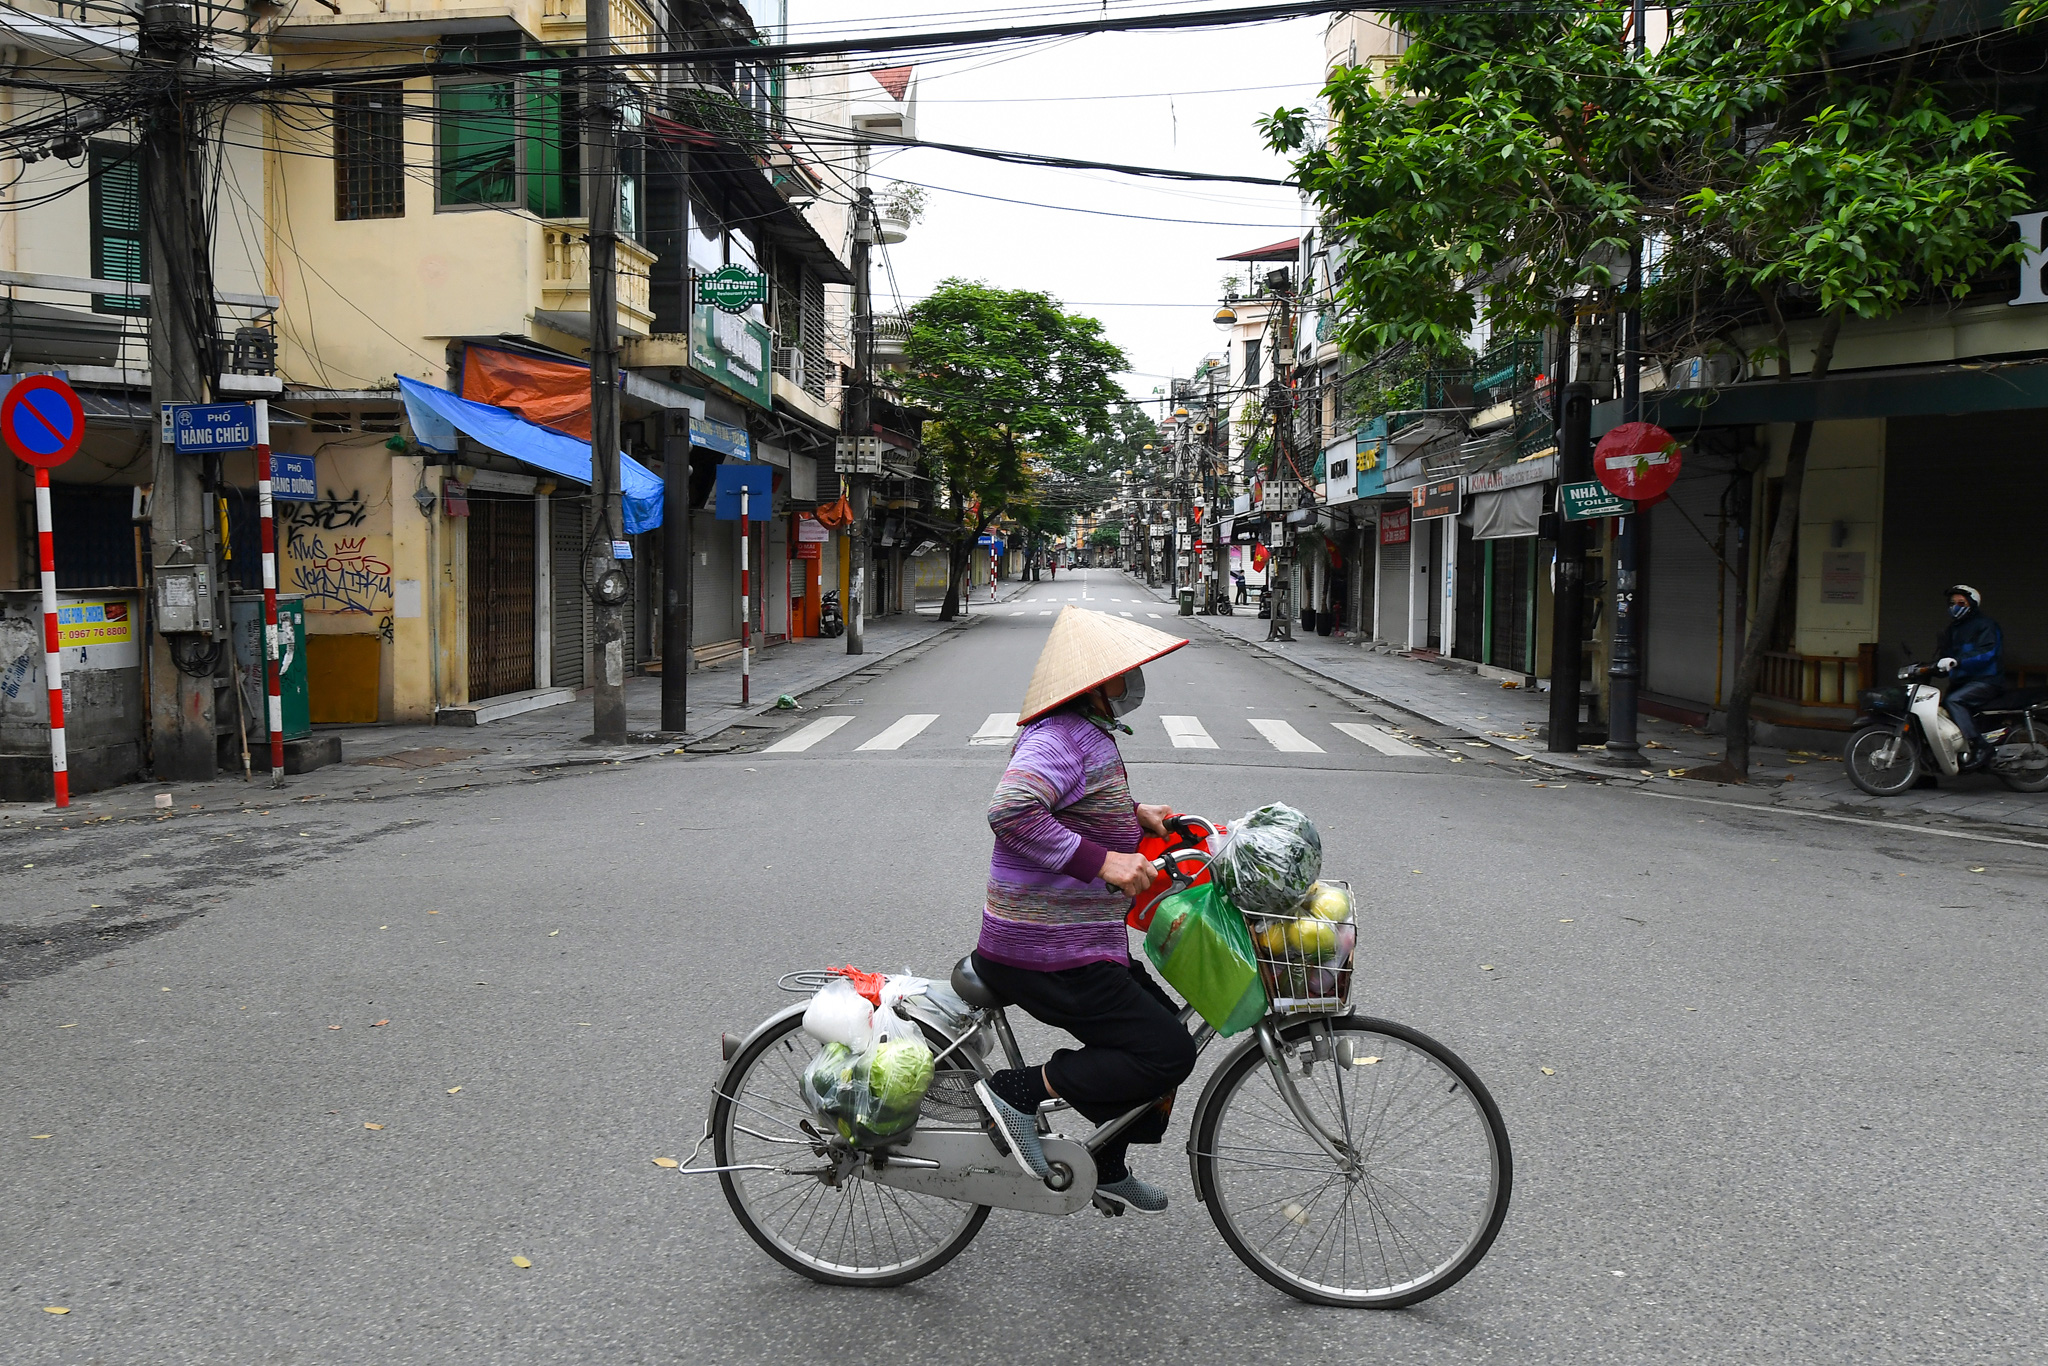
(1052, 933)
(1970, 650)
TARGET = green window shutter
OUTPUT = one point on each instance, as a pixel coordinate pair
(479, 143)
(120, 248)
(554, 150)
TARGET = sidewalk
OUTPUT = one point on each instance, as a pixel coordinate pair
(380, 760)
(1451, 695)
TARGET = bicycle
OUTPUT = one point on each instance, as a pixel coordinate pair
(1345, 1159)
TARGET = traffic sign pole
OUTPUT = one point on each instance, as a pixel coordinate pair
(746, 611)
(267, 509)
(53, 654)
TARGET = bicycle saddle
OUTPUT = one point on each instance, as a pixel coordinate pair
(969, 987)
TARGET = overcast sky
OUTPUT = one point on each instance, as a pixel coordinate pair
(1145, 99)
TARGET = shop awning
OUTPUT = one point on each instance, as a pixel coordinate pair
(1928, 391)
(437, 415)
(1511, 512)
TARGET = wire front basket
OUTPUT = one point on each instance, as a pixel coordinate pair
(1305, 961)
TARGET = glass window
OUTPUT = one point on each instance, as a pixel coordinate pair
(707, 240)
(1251, 364)
(554, 147)
(479, 143)
(120, 251)
(369, 152)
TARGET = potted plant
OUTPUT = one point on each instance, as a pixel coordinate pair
(900, 206)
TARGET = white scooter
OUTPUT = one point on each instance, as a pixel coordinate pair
(1903, 733)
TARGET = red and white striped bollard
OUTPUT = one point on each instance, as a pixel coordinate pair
(53, 654)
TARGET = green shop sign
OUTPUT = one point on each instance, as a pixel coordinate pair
(1588, 500)
(732, 289)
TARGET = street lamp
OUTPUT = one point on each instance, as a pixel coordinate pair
(1226, 318)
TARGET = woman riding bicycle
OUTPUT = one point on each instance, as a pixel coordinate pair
(1052, 933)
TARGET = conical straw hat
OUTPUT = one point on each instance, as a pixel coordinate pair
(1087, 648)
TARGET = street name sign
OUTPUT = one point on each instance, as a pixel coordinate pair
(291, 478)
(1588, 502)
(197, 428)
(1637, 460)
(42, 420)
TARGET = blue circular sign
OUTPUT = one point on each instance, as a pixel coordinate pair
(42, 421)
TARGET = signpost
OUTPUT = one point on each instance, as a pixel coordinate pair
(1588, 502)
(1638, 461)
(266, 478)
(202, 428)
(738, 485)
(43, 422)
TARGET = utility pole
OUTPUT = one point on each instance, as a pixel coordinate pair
(608, 582)
(1624, 667)
(183, 530)
(676, 576)
(1568, 597)
(859, 418)
(1279, 565)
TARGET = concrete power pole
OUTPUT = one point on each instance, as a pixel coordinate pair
(183, 531)
(1624, 671)
(609, 585)
(1280, 562)
(859, 420)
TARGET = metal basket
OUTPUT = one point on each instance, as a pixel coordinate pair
(1306, 969)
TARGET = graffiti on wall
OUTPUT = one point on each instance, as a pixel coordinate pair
(340, 574)
(331, 513)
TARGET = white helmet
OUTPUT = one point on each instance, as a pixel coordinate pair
(1976, 598)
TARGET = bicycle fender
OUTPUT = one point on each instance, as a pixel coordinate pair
(718, 1087)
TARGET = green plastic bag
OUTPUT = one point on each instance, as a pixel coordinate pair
(1200, 945)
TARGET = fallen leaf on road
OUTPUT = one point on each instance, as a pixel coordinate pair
(433, 913)
(334, 1026)
(1414, 870)
(73, 1026)
(383, 927)
(1566, 921)
(666, 1162)
(55, 1309)
(42, 1135)
(453, 1089)
(373, 1126)
(1523, 758)
(1974, 870)
(1486, 967)
(1692, 1007)
(1549, 1072)
(522, 1263)
(380, 1024)
(1649, 773)
(553, 933)
(1674, 773)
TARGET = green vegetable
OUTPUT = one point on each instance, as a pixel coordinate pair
(899, 1073)
(1268, 861)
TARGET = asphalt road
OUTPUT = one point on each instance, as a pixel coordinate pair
(1793, 1109)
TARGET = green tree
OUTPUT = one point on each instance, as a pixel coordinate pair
(1007, 375)
(1511, 157)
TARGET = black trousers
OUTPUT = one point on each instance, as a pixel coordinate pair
(1134, 1047)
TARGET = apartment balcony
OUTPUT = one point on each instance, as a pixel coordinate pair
(565, 280)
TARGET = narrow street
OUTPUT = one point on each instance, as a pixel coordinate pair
(298, 1083)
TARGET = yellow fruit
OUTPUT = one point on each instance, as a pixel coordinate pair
(1329, 903)
(1273, 937)
(1311, 936)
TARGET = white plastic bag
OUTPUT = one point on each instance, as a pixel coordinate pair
(840, 1014)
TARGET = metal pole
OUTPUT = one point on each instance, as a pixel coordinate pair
(1568, 598)
(675, 579)
(601, 195)
(53, 652)
(1279, 565)
(860, 423)
(272, 685)
(746, 601)
(1624, 667)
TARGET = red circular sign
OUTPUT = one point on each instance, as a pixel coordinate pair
(1638, 460)
(42, 421)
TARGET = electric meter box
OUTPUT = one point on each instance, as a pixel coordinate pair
(184, 600)
(245, 610)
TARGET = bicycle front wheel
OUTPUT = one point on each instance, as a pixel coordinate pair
(1421, 1198)
(837, 1228)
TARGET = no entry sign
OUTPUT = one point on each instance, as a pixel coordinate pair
(42, 421)
(1638, 460)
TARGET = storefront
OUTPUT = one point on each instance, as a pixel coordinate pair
(1497, 569)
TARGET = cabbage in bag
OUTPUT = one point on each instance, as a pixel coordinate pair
(1268, 861)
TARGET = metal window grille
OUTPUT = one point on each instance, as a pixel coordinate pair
(369, 152)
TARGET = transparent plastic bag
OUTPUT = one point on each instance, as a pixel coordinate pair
(874, 1092)
(1268, 861)
(839, 1014)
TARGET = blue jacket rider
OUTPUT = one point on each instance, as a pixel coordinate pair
(1971, 649)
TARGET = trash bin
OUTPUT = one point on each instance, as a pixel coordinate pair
(1187, 602)
(246, 612)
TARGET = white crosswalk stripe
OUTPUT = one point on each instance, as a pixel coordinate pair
(1373, 737)
(901, 731)
(802, 740)
(1127, 614)
(1046, 613)
(1187, 732)
(999, 729)
(1153, 615)
(1282, 736)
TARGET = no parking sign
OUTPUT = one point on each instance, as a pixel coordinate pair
(42, 421)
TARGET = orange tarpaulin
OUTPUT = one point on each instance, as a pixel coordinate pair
(547, 393)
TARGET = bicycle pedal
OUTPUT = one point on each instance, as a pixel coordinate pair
(1111, 1209)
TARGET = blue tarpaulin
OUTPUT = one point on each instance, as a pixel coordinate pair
(437, 415)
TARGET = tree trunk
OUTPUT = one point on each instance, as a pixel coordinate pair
(1734, 766)
(956, 563)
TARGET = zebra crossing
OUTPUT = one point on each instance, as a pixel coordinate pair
(920, 731)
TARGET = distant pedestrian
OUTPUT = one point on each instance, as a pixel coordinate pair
(1237, 577)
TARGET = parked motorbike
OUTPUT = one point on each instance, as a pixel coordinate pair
(1904, 733)
(830, 623)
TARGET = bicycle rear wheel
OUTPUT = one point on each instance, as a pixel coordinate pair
(1429, 1183)
(848, 1232)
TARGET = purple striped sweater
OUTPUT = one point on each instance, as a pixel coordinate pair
(1063, 802)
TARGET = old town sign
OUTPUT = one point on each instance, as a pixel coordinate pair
(732, 289)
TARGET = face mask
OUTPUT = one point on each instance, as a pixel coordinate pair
(1959, 610)
(1134, 694)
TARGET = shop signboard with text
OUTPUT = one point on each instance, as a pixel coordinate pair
(1394, 526)
(1438, 498)
(732, 349)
